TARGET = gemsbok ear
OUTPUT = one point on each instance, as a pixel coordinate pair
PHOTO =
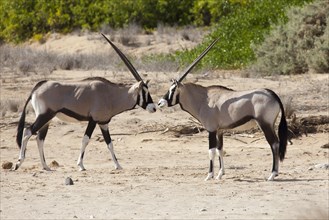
(147, 82)
(136, 87)
(177, 83)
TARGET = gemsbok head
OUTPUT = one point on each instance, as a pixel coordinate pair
(218, 108)
(94, 99)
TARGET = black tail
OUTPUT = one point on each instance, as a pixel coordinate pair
(21, 123)
(283, 128)
(283, 134)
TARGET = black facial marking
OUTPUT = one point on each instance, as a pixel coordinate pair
(169, 96)
(145, 96)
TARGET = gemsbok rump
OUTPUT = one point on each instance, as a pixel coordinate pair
(94, 99)
(218, 108)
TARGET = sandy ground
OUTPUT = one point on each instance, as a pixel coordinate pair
(163, 171)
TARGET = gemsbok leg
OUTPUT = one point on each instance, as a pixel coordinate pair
(105, 131)
(220, 154)
(273, 141)
(212, 153)
(85, 140)
(40, 141)
(40, 122)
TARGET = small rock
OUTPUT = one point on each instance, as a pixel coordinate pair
(68, 181)
(322, 166)
(326, 146)
(54, 164)
(203, 210)
(92, 217)
(7, 165)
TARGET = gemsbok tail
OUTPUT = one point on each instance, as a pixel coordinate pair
(21, 123)
(283, 129)
(283, 133)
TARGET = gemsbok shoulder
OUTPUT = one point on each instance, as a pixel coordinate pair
(94, 99)
(218, 108)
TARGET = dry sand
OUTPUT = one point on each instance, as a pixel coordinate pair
(163, 171)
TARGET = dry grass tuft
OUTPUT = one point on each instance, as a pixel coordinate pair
(10, 105)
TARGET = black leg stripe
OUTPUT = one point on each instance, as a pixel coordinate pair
(212, 139)
(211, 167)
(43, 132)
(90, 128)
(41, 121)
(106, 136)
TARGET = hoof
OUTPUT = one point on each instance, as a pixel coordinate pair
(47, 169)
(118, 167)
(220, 175)
(210, 176)
(15, 167)
(273, 175)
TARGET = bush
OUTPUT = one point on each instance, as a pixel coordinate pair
(22, 19)
(299, 46)
(240, 25)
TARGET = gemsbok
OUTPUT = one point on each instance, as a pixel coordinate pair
(94, 99)
(218, 108)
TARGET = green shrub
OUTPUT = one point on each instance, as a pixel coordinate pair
(299, 46)
(23, 19)
(240, 25)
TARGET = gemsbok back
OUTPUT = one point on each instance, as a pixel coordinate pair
(94, 99)
(218, 108)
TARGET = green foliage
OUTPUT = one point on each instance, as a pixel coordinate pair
(240, 25)
(300, 45)
(22, 19)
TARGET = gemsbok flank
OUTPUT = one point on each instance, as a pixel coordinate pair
(218, 108)
(94, 99)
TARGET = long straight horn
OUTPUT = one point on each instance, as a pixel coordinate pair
(189, 68)
(125, 60)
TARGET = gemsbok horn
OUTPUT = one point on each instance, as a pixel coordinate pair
(94, 99)
(218, 108)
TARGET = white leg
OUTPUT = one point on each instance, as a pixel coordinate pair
(212, 154)
(116, 163)
(221, 161)
(85, 141)
(42, 155)
(26, 137)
